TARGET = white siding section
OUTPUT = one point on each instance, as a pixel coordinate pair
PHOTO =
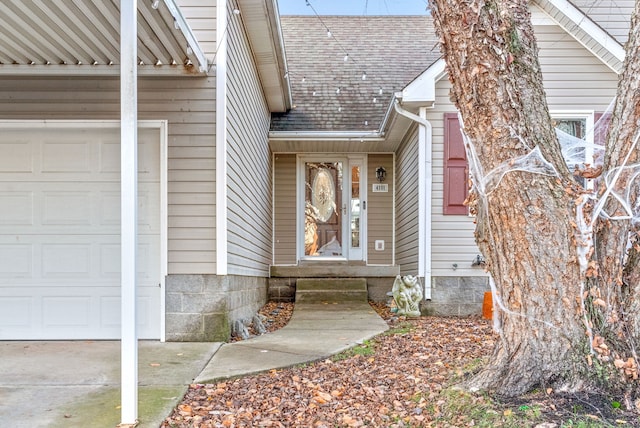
(407, 238)
(249, 161)
(188, 103)
(574, 80)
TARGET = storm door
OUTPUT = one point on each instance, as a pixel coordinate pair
(331, 210)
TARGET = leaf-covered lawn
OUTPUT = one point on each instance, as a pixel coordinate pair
(400, 379)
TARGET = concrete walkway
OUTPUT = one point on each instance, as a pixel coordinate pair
(77, 383)
(314, 332)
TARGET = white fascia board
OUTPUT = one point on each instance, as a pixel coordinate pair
(423, 88)
(324, 135)
(587, 25)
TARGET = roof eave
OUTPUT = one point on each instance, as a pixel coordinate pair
(325, 135)
(584, 30)
(421, 92)
(262, 24)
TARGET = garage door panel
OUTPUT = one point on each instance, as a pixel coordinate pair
(67, 208)
(110, 314)
(80, 259)
(148, 156)
(66, 261)
(67, 157)
(60, 233)
(148, 204)
(75, 155)
(19, 155)
(17, 208)
(17, 312)
(66, 311)
(74, 313)
(59, 207)
(16, 261)
(146, 264)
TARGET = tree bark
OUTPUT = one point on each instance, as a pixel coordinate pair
(568, 296)
(618, 241)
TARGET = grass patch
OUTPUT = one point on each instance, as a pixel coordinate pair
(366, 349)
(461, 408)
(402, 328)
(456, 407)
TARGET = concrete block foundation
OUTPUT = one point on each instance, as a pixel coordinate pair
(202, 308)
(456, 295)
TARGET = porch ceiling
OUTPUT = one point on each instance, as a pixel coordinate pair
(82, 38)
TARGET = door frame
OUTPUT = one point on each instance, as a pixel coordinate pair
(348, 160)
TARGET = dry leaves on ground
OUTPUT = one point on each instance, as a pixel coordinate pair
(399, 379)
(387, 383)
(274, 316)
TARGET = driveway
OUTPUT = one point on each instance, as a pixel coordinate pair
(77, 383)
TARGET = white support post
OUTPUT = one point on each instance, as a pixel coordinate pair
(221, 139)
(128, 211)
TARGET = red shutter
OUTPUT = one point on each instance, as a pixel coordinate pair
(601, 126)
(456, 170)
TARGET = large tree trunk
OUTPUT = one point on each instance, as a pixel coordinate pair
(619, 279)
(530, 225)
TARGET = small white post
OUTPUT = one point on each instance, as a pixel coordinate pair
(128, 211)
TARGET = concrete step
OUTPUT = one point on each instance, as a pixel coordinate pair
(331, 290)
(333, 270)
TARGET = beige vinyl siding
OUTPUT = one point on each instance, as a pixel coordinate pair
(574, 80)
(201, 16)
(249, 160)
(612, 16)
(380, 211)
(452, 235)
(284, 206)
(407, 204)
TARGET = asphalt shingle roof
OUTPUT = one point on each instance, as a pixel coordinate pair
(391, 50)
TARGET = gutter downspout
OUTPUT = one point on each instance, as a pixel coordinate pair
(425, 180)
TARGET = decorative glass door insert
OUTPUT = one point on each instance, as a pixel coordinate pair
(323, 209)
(333, 207)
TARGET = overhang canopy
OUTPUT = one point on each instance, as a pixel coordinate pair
(82, 38)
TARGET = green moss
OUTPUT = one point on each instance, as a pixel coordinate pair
(102, 408)
(367, 349)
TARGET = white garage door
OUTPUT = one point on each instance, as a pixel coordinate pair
(60, 233)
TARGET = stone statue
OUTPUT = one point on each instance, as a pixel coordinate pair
(407, 294)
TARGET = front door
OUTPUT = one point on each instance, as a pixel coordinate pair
(331, 207)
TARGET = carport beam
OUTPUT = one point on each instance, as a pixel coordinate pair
(128, 210)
